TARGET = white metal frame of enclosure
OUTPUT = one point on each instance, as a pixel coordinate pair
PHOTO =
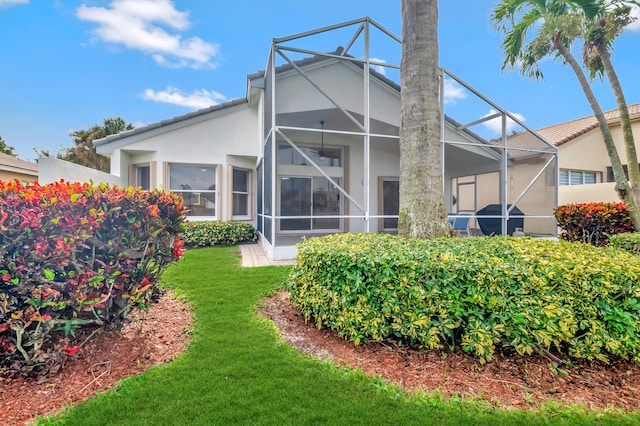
(504, 115)
(267, 216)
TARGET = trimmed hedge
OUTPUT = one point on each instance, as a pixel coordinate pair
(593, 223)
(204, 234)
(480, 294)
(629, 241)
(77, 256)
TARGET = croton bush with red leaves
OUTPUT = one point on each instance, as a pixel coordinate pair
(593, 222)
(77, 256)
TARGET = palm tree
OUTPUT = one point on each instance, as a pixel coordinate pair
(601, 31)
(558, 23)
(422, 210)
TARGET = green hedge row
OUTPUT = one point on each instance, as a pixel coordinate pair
(477, 293)
(204, 234)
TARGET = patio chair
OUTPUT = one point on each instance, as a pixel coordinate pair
(460, 225)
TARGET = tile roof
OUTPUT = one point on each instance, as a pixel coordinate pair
(9, 162)
(559, 134)
(168, 121)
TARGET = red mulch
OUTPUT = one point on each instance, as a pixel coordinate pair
(161, 334)
(507, 381)
(151, 338)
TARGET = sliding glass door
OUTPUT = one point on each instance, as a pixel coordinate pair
(310, 196)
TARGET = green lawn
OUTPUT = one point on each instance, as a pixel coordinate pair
(237, 371)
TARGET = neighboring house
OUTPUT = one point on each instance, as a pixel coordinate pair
(53, 169)
(12, 168)
(313, 149)
(585, 168)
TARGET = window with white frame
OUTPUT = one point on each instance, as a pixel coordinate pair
(197, 185)
(577, 177)
(241, 190)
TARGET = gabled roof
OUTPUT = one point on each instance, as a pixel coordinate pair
(176, 119)
(250, 77)
(14, 164)
(340, 54)
(559, 134)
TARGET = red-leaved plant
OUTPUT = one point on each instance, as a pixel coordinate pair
(75, 255)
(593, 222)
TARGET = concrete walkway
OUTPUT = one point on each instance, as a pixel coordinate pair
(253, 255)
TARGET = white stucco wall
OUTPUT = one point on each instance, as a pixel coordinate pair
(224, 138)
(344, 84)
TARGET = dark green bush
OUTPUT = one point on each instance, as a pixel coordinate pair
(476, 293)
(629, 241)
(204, 234)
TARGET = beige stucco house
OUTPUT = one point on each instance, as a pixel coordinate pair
(313, 148)
(12, 168)
(585, 168)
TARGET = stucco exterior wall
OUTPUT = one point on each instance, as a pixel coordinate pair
(603, 192)
(7, 176)
(343, 83)
(588, 153)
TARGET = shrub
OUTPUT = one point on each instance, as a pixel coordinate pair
(593, 222)
(629, 241)
(476, 293)
(203, 234)
(75, 255)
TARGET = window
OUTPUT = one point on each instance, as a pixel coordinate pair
(611, 178)
(321, 155)
(197, 185)
(143, 177)
(390, 203)
(241, 192)
(577, 177)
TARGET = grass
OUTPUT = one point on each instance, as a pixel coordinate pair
(238, 371)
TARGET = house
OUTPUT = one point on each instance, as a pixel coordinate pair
(12, 168)
(313, 149)
(585, 168)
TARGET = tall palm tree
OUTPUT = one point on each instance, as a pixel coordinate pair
(601, 32)
(422, 208)
(558, 24)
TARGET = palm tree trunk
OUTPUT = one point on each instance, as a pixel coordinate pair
(422, 209)
(630, 147)
(622, 185)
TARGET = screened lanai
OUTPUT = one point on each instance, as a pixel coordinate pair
(330, 160)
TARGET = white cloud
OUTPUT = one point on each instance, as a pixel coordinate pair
(198, 99)
(9, 3)
(453, 92)
(379, 68)
(143, 24)
(495, 125)
(635, 25)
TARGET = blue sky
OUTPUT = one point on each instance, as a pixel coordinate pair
(68, 64)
